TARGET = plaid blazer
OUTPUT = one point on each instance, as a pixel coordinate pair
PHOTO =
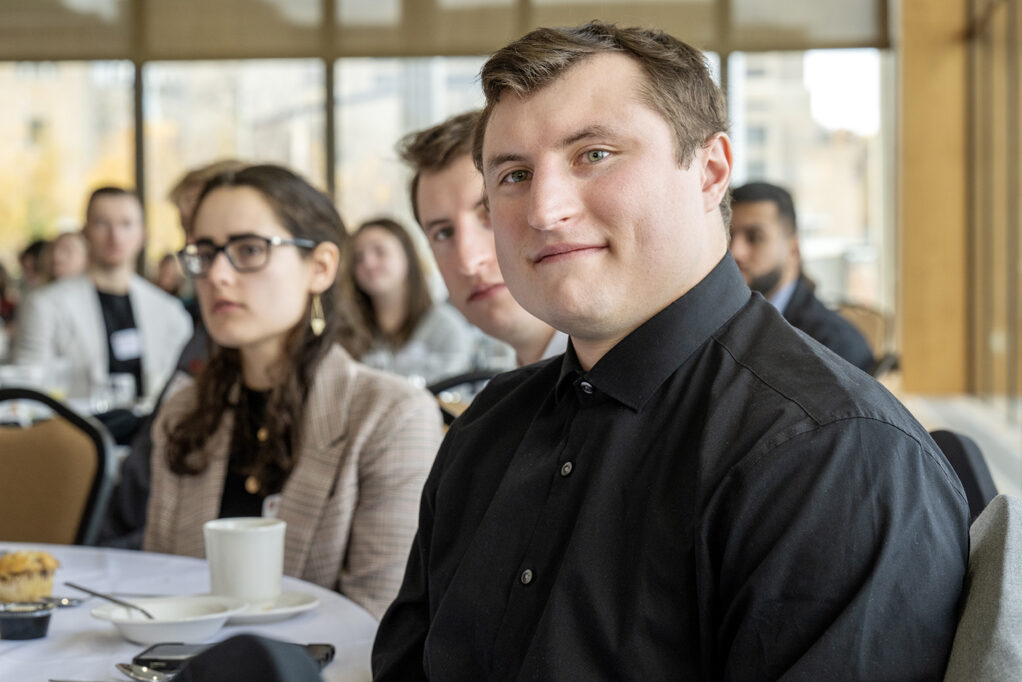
(351, 502)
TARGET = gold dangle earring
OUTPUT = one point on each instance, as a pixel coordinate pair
(316, 318)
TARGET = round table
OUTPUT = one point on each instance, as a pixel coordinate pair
(79, 647)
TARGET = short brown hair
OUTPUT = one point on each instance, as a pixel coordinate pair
(109, 191)
(678, 84)
(436, 148)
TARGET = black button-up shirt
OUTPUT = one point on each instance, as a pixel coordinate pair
(719, 497)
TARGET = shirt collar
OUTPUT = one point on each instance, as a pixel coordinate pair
(782, 297)
(632, 370)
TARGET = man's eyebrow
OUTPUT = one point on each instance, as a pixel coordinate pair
(501, 159)
(585, 133)
(567, 141)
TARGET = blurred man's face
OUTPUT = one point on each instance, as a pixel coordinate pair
(763, 246)
(457, 226)
(114, 231)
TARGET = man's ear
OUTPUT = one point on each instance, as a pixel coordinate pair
(716, 168)
(325, 260)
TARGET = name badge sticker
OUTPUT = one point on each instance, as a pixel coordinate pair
(126, 344)
(271, 506)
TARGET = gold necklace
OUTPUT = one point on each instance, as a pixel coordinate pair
(252, 483)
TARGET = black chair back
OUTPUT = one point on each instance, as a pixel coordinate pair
(966, 459)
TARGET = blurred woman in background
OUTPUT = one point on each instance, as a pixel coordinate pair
(282, 421)
(68, 255)
(410, 335)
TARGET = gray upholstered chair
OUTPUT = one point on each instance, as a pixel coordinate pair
(988, 642)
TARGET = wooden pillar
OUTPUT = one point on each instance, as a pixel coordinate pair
(933, 186)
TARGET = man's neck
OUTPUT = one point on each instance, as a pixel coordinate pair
(530, 349)
(110, 280)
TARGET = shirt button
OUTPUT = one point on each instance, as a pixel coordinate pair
(526, 576)
(587, 387)
(566, 468)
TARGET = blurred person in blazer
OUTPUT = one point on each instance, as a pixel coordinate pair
(764, 243)
(109, 319)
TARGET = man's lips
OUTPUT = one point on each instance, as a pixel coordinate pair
(558, 252)
(483, 291)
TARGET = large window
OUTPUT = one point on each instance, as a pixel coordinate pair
(199, 112)
(65, 128)
(815, 123)
(995, 302)
(379, 101)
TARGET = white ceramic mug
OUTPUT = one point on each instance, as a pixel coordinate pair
(246, 558)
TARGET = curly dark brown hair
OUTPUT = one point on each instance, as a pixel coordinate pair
(306, 213)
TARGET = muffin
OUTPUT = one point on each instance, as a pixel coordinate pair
(26, 575)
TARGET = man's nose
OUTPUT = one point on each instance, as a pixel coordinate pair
(553, 197)
(474, 247)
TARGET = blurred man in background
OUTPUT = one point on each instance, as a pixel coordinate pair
(764, 243)
(108, 320)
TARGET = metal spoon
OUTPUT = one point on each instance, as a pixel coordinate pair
(115, 600)
(144, 674)
(61, 602)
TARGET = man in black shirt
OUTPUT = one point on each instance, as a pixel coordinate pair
(764, 244)
(696, 490)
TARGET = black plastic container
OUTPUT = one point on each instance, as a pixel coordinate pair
(25, 620)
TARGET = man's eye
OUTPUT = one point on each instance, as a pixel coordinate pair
(516, 176)
(594, 155)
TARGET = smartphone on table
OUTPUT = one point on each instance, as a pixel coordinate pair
(172, 656)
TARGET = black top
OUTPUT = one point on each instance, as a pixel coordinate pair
(236, 500)
(806, 312)
(119, 319)
(718, 498)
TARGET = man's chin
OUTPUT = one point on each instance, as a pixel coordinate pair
(766, 283)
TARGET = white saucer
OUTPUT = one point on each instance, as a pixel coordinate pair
(288, 605)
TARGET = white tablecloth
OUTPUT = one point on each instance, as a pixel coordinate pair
(79, 647)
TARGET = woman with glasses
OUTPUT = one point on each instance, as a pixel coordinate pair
(410, 335)
(282, 421)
